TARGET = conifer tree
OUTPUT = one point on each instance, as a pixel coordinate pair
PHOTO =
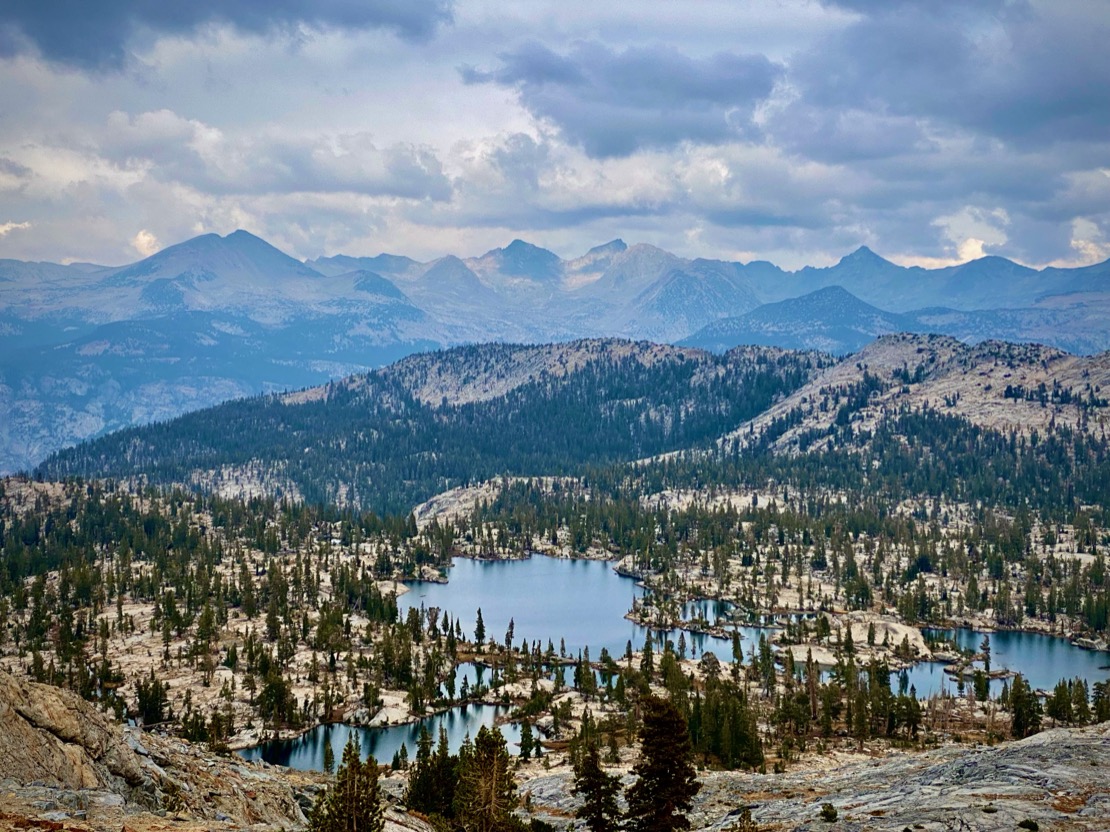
(598, 791)
(661, 796)
(353, 804)
(486, 793)
(1025, 709)
(527, 740)
(479, 631)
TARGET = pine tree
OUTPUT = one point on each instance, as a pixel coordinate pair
(486, 793)
(527, 740)
(1025, 709)
(353, 804)
(598, 791)
(479, 631)
(661, 796)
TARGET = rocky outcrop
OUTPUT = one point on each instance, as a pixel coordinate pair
(1055, 780)
(52, 736)
(61, 758)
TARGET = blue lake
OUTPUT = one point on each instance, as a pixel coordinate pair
(306, 752)
(583, 603)
(580, 602)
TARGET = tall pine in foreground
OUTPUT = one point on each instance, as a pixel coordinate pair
(353, 804)
(598, 791)
(661, 796)
(433, 777)
(486, 792)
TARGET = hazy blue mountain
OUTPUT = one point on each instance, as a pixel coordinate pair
(521, 259)
(590, 266)
(1080, 329)
(374, 284)
(84, 348)
(681, 301)
(240, 257)
(986, 283)
(831, 319)
(836, 321)
(451, 276)
(632, 271)
(391, 264)
(87, 350)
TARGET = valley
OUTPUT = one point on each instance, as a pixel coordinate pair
(818, 558)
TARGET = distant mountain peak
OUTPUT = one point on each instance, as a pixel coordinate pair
(242, 234)
(520, 246)
(523, 259)
(862, 255)
(830, 293)
(612, 247)
(831, 319)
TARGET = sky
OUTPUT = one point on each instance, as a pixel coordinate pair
(933, 131)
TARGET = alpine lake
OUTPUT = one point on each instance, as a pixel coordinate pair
(581, 604)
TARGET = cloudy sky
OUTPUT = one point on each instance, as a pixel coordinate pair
(933, 131)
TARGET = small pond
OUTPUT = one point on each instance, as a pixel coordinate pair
(306, 752)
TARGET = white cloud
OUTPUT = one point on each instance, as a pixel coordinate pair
(7, 228)
(968, 233)
(1088, 243)
(146, 243)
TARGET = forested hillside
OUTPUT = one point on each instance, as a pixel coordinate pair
(370, 442)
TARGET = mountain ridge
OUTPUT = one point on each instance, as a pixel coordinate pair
(392, 438)
(219, 316)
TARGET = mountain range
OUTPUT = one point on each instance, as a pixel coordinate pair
(392, 438)
(87, 349)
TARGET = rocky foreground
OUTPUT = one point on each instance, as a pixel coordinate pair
(1056, 780)
(66, 766)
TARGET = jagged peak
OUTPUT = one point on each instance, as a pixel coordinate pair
(612, 247)
(862, 255)
(242, 234)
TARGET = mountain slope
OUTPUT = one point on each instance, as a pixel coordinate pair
(832, 320)
(214, 318)
(389, 439)
(993, 385)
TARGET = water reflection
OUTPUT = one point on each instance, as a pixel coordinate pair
(576, 604)
(306, 752)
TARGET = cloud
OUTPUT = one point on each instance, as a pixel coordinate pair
(968, 233)
(1088, 242)
(613, 103)
(789, 130)
(146, 243)
(7, 228)
(971, 228)
(96, 35)
(189, 151)
(994, 68)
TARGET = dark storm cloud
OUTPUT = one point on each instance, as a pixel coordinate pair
(845, 136)
(873, 7)
(614, 103)
(1030, 76)
(95, 34)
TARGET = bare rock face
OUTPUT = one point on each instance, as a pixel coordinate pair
(53, 736)
(1053, 780)
(60, 756)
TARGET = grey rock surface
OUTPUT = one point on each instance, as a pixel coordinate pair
(1059, 779)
